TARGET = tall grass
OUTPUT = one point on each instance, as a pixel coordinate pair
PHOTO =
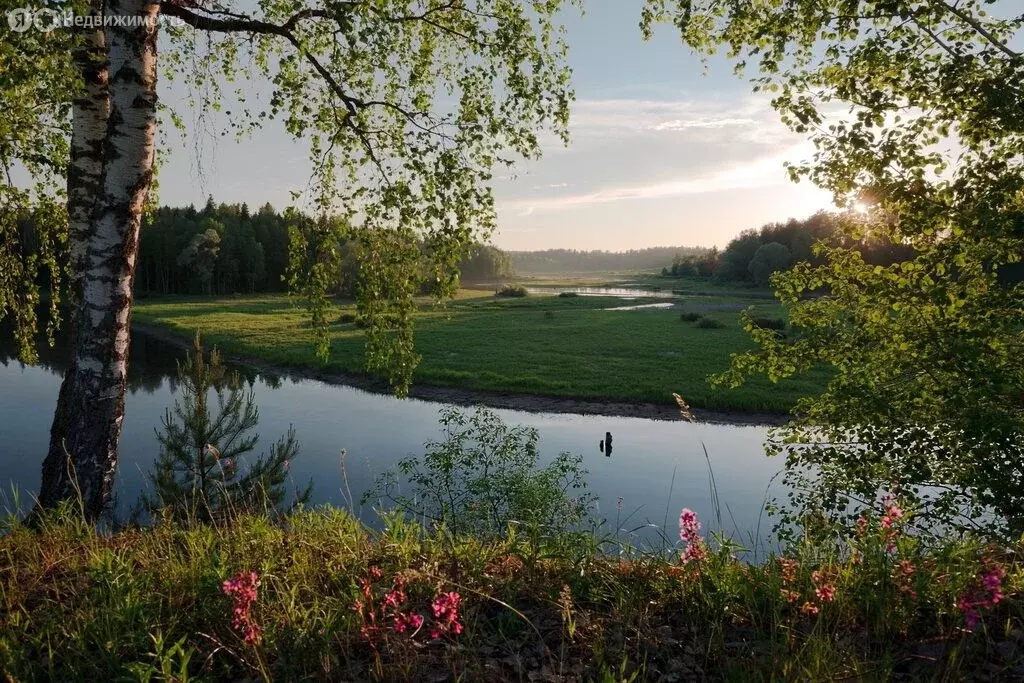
(150, 604)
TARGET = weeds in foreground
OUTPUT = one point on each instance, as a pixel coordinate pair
(318, 595)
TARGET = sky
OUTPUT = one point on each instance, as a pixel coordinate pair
(663, 152)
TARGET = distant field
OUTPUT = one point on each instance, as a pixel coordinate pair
(545, 345)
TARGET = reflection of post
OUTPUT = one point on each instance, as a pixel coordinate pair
(607, 444)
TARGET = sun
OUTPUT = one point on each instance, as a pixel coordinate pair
(862, 208)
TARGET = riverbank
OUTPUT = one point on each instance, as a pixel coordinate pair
(320, 597)
(541, 353)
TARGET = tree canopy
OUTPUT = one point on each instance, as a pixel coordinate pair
(915, 110)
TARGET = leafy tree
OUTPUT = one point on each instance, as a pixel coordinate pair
(927, 396)
(200, 257)
(735, 261)
(767, 260)
(407, 106)
(199, 474)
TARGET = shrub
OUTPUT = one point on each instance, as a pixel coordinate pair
(347, 318)
(483, 479)
(512, 291)
(710, 324)
(568, 295)
(770, 323)
(690, 317)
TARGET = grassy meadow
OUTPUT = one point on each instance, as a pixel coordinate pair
(542, 344)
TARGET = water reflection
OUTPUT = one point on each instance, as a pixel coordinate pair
(659, 466)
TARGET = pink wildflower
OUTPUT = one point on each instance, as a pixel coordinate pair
(789, 568)
(407, 620)
(689, 533)
(695, 552)
(446, 615)
(825, 590)
(862, 526)
(243, 590)
(809, 608)
(689, 527)
(984, 596)
(903, 575)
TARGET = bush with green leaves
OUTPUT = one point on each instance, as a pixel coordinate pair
(199, 474)
(485, 477)
(710, 324)
(690, 317)
(516, 291)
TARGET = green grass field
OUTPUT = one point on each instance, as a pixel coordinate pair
(544, 345)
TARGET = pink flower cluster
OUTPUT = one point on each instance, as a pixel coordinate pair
(394, 606)
(689, 533)
(243, 590)
(984, 596)
(824, 589)
(446, 615)
(903, 576)
(893, 513)
(789, 568)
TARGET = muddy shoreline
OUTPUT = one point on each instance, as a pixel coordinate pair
(531, 403)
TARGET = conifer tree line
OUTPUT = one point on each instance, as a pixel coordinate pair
(229, 249)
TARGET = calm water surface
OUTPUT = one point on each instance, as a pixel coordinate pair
(376, 431)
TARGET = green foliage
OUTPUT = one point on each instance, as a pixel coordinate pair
(514, 291)
(485, 263)
(567, 295)
(690, 316)
(199, 473)
(706, 323)
(928, 391)
(200, 256)
(484, 479)
(767, 260)
(778, 324)
(37, 76)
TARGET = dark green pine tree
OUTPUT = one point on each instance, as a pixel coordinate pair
(201, 473)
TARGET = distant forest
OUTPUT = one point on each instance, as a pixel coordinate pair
(753, 255)
(227, 249)
(558, 261)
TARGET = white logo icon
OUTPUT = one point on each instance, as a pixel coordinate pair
(20, 19)
(47, 19)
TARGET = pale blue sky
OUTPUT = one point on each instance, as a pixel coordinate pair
(661, 153)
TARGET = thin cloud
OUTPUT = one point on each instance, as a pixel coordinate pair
(764, 172)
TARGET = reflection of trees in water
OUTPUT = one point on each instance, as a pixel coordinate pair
(152, 361)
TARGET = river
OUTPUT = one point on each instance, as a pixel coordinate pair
(656, 466)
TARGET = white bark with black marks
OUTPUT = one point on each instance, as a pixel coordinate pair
(91, 406)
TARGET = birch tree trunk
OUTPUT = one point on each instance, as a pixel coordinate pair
(89, 113)
(87, 424)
